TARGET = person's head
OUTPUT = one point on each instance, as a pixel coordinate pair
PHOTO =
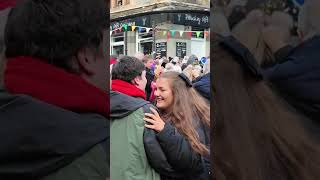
(171, 92)
(175, 60)
(147, 61)
(157, 62)
(249, 33)
(206, 67)
(114, 56)
(308, 21)
(192, 59)
(196, 71)
(131, 70)
(248, 115)
(165, 60)
(236, 14)
(279, 18)
(139, 55)
(188, 71)
(169, 67)
(220, 24)
(69, 34)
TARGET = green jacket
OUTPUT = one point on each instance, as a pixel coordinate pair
(127, 152)
(92, 165)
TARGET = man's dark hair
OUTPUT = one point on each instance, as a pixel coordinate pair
(127, 68)
(55, 30)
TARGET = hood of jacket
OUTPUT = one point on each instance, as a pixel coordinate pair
(122, 105)
(39, 138)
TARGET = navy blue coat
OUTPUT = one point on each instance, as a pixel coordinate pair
(202, 85)
(297, 77)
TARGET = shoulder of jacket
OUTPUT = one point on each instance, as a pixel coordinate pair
(146, 108)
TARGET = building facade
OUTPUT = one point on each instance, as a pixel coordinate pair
(165, 27)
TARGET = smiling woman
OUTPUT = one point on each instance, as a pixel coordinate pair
(182, 126)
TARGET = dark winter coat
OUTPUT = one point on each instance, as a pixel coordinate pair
(42, 141)
(150, 77)
(297, 77)
(202, 85)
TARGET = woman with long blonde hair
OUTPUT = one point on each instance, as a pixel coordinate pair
(182, 126)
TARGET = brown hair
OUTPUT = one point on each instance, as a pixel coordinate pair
(256, 135)
(249, 33)
(146, 58)
(188, 106)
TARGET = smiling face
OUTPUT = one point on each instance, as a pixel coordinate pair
(149, 63)
(164, 94)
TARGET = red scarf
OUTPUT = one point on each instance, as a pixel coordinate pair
(4, 4)
(43, 81)
(127, 88)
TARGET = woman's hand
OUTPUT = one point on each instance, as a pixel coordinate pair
(155, 121)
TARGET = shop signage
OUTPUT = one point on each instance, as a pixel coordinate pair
(181, 49)
(192, 19)
(161, 49)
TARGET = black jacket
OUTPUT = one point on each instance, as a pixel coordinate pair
(297, 77)
(38, 139)
(150, 77)
(180, 155)
(202, 85)
(168, 152)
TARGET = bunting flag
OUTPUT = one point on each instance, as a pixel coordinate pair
(198, 34)
(169, 33)
(172, 32)
(181, 33)
(164, 33)
(125, 27)
(206, 34)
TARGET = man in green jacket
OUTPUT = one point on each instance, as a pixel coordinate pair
(128, 105)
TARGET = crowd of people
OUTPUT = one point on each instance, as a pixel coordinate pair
(164, 109)
(197, 70)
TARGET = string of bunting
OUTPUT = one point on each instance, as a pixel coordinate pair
(169, 33)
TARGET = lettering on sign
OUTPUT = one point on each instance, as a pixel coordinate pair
(192, 19)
